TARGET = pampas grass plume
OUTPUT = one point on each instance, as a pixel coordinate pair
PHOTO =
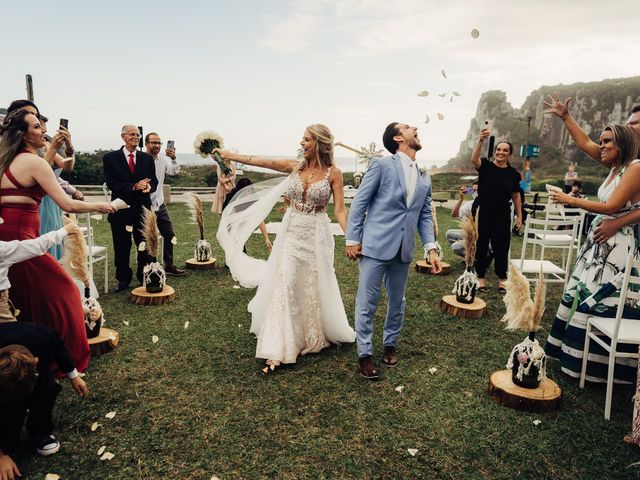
(76, 253)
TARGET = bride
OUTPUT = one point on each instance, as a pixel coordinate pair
(297, 308)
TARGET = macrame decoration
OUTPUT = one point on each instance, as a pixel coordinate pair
(527, 360)
(154, 277)
(202, 250)
(74, 261)
(466, 284)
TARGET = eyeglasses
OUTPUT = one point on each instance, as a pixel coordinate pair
(154, 143)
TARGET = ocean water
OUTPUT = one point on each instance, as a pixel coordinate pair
(346, 164)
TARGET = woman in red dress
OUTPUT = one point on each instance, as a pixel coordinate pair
(40, 288)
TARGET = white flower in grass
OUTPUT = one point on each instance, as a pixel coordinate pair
(433, 370)
(412, 451)
(154, 338)
(186, 325)
(110, 415)
(125, 322)
(537, 422)
(399, 388)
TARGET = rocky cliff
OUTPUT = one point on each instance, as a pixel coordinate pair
(594, 105)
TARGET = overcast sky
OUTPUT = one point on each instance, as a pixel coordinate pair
(259, 71)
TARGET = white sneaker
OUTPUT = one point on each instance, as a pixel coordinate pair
(47, 445)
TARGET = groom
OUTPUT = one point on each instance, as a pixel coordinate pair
(393, 199)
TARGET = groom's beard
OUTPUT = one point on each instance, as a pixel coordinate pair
(416, 146)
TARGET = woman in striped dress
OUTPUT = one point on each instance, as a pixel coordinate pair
(589, 290)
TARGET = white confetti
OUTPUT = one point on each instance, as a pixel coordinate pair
(475, 33)
(52, 476)
(433, 370)
(102, 449)
(154, 338)
(106, 456)
(174, 240)
(440, 116)
(412, 451)
(129, 228)
(126, 322)
(239, 325)
(537, 422)
(426, 119)
(444, 74)
(94, 426)
(142, 247)
(399, 388)
(442, 94)
(111, 415)
(423, 93)
(457, 94)
(236, 286)
(214, 478)
(186, 325)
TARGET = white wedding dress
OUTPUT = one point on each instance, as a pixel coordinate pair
(297, 308)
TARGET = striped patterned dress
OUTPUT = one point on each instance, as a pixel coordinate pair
(592, 276)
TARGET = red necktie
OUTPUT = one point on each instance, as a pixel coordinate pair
(132, 166)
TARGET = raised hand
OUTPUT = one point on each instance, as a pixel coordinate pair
(556, 106)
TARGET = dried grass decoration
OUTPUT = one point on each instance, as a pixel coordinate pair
(202, 250)
(527, 360)
(154, 276)
(74, 261)
(467, 283)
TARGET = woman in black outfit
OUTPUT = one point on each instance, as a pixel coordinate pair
(498, 184)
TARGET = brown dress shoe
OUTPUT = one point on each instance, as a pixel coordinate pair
(390, 357)
(174, 271)
(367, 370)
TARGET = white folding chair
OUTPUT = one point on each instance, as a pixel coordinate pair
(609, 332)
(562, 212)
(544, 233)
(97, 253)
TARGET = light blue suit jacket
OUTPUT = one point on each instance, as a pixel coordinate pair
(379, 217)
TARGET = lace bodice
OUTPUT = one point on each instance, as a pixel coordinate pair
(312, 200)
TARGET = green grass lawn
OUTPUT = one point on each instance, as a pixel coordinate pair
(195, 404)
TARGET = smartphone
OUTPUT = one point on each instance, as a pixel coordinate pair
(468, 190)
(488, 124)
(171, 145)
(141, 142)
(64, 123)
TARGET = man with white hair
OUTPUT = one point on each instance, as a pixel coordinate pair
(131, 176)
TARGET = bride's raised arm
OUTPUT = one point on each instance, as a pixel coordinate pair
(284, 165)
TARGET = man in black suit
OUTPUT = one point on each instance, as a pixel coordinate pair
(130, 175)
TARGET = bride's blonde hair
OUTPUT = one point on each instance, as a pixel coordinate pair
(324, 145)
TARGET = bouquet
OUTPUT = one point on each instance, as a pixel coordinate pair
(204, 145)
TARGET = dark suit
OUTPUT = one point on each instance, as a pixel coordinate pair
(120, 181)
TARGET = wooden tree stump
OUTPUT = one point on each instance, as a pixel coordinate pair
(545, 398)
(105, 342)
(422, 266)
(450, 305)
(193, 264)
(139, 296)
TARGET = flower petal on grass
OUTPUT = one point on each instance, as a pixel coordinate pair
(125, 322)
(154, 338)
(537, 422)
(111, 415)
(236, 286)
(433, 370)
(102, 449)
(412, 451)
(399, 388)
(186, 325)
(94, 426)
(52, 476)
(107, 456)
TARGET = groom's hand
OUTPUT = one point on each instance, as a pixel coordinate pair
(353, 251)
(434, 261)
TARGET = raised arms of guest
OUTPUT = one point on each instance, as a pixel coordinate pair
(22, 136)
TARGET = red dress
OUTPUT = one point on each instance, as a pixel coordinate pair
(40, 288)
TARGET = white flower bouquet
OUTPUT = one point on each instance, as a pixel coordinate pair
(204, 145)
